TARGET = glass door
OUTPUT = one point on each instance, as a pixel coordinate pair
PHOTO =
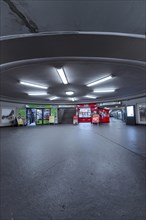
(46, 114)
(31, 117)
(39, 120)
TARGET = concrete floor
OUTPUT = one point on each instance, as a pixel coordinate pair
(66, 172)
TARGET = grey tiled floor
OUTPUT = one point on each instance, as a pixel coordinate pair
(66, 172)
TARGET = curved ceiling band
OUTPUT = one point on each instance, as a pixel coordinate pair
(73, 45)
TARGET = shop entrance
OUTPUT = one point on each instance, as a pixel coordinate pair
(37, 116)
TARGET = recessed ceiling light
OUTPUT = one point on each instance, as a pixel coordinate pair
(104, 90)
(37, 93)
(53, 98)
(33, 85)
(69, 93)
(62, 75)
(99, 81)
(90, 96)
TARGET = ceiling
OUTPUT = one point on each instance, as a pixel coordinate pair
(88, 39)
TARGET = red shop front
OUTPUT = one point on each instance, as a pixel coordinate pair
(85, 112)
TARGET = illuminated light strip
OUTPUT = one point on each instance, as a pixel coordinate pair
(104, 91)
(62, 76)
(37, 93)
(33, 85)
(53, 98)
(99, 81)
(90, 97)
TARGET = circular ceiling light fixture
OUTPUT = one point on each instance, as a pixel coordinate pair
(69, 93)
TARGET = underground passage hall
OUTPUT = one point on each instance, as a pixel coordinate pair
(72, 110)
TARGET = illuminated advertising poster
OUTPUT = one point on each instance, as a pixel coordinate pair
(54, 113)
(130, 111)
(21, 116)
(95, 119)
(8, 116)
(103, 115)
(51, 119)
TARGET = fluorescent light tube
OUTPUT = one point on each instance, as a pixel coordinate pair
(69, 93)
(53, 98)
(62, 75)
(33, 85)
(90, 97)
(37, 93)
(73, 99)
(99, 81)
(104, 91)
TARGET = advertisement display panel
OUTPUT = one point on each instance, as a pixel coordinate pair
(8, 116)
(95, 119)
(54, 113)
(104, 115)
(21, 116)
(130, 111)
(51, 119)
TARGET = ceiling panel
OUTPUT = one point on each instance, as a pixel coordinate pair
(88, 39)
